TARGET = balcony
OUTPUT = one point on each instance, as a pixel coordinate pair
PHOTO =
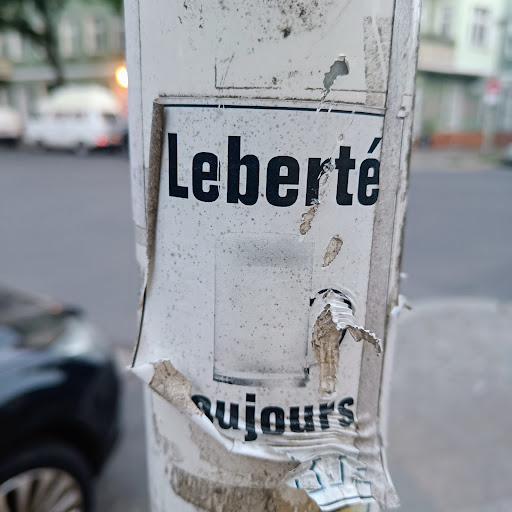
(436, 54)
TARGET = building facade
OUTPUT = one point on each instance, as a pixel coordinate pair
(460, 55)
(91, 45)
(503, 111)
(464, 44)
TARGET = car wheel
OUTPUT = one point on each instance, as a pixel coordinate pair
(50, 477)
(41, 146)
(81, 149)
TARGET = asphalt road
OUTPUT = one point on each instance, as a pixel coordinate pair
(458, 239)
(65, 230)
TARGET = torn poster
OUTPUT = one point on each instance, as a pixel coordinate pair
(256, 319)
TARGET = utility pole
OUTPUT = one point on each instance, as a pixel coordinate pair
(269, 147)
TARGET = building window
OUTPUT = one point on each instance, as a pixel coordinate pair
(446, 21)
(452, 101)
(117, 35)
(4, 96)
(101, 35)
(425, 11)
(68, 38)
(95, 35)
(507, 50)
(507, 118)
(480, 27)
(35, 52)
(15, 46)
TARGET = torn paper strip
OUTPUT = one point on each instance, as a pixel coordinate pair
(333, 316)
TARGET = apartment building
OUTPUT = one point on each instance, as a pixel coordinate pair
(460, 56)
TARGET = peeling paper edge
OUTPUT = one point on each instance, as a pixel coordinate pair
(146, 372)
(308, 217)
(387, 373)
(343, 322)
(341, 316)
(385, 394)
(153, 183)
(372, 404)
(146, 236)
(351, 462)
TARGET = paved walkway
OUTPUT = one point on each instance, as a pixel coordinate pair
(454, 159)
(450, 423)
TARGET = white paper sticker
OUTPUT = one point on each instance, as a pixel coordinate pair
(261, 266)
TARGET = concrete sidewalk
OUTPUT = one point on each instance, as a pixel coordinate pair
(449, 423)
(450, 419)
(455, 159)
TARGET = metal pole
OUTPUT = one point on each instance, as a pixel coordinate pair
(269, 158)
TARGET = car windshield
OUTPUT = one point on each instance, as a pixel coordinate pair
(110, 118)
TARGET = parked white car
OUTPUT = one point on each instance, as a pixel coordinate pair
(11, 125)
(77, 118)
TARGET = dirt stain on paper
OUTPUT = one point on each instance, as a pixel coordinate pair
(307, 219)
(332, 251)
(216, 497)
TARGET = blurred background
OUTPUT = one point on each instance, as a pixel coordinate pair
(66, 232)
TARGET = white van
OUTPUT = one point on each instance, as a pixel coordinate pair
(11, 125)
(77, 118)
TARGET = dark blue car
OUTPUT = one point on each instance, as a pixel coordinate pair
(59, 404)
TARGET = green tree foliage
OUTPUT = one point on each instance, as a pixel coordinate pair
(117, 5)
(37, 21)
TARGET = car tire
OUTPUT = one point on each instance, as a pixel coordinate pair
(41, 146)
(81, 150)
(49, 474)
